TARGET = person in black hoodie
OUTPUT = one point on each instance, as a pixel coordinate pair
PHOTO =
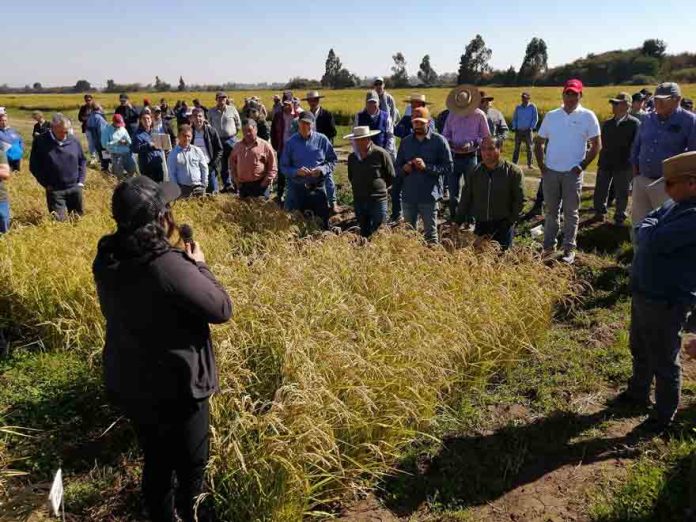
(130, 114)
(207, 138)
(158, 360)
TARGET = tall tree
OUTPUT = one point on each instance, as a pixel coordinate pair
(37, 86)
(427, 74)
(399, 77)
(182, 85)
(332, 69)
(82, 86)
(535, 62)
(474, 61)
(654, 48)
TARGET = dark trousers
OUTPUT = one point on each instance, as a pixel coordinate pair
(370, 215)
(253, 189)
(620, 179)
(655, 345)
(15, 164)
(188, 191)
(280, 184)
(153, 170)
(62, 202)
(212, 181)
(227, 145)
(501, 231)
(395, 196)
(539, 198)
(523, 136)
(312, 199)
(175, 442)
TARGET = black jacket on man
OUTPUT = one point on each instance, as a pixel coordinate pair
(325, 123)
(57, 164)
(617, 141)
(157, 311)
(131, 117)
(213, 145)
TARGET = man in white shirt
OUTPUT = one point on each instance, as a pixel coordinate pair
(565, 132)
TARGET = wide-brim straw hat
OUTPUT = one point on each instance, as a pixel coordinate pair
(463, 99)
(416, 97)
(311, 95)
(362, 131)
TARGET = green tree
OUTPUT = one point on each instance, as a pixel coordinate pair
(474, 62)
(332, 68)
(37, 86)
(161, 86)
(82, 86)
(182, 84)
(427, 74)
(535, 62)
(654, 48)
(399, 77)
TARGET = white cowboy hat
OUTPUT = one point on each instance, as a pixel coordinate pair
(463, 99)
(361, 132)
(416, 97)
(312, 94)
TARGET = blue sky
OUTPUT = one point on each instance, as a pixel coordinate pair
(59, 42)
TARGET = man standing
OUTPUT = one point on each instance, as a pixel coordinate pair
(666, 132)
(326, 125)
(4, 202)
(130, 114)
(281, 130)
(377, 119)
(96, 123)
(11, 142)
(161, 125)
(565, 132)
(465, 128)
(197, 105)
(252, 163)
(59, 165)
(308, 157)
(403, 127)
(370, 172)
(493, 195)
(663, 281)
(254, 111)
(225, 120)
(41, 124)
(496, 121)
(206, 138)
(386, 100)
(424, 158)
(637, 104)
(188, 165)
(277, 106)
(82, 116)
(151, 161)
(614, 166)
(524, 121)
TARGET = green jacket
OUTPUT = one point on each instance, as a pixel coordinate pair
(492, 195)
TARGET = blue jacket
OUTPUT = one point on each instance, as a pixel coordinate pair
(423, 186)
(95, 125)
(16, 146)
(315, 151)
(664, 267)
(150, 159)
(380, 123)
(59, 165)
(525, 118)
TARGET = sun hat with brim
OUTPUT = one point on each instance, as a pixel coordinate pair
(416, 98)
(679, 166)
(311, 95)
(139, 200)
(463, 99)
(362, 131)
(484, 97)
(622, 97)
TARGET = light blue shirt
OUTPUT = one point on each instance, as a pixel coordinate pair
(315, 151)
(525, 118)
(188, 166)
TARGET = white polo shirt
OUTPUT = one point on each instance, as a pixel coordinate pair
(568, 135)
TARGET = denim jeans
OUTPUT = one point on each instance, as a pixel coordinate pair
(64, 201)
(123, 163)
(620, 179)
(502, 231)
(213, 187)
(561, 187)
(253, 189)
(303, 198)
(4, 216)
(330, 187)
(523, 136)
(227, 145)
(655, 345)
(370, 215)
(428, 213)
(464, 165)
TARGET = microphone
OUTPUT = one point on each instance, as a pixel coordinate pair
(186, 233)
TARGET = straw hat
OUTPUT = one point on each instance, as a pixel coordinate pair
(361, 132)
(463, 99)
(417, 98)
(312, 94)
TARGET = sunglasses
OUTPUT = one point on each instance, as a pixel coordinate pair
(571, 93)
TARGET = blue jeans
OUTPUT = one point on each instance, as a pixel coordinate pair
(122, 163)
(655, 346)
(330, 187)
(464, 165)
(370, 215)
(428, 213)
(303, 198)
(227, 146)
(501, 231)
(4, 216)
(212, 181)
(253, 189)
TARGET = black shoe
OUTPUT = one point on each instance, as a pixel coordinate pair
(626, 400)
(654, 426)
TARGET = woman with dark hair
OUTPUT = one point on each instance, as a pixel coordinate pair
(158, 301)
(151, 160)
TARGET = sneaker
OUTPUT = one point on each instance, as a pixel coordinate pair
(568, 257)
(627, 400)
(619, 222)
(548, 253)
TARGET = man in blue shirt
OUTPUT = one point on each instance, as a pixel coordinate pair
(187, 165)
(10, 142)
(307, 159)
(663, 281)
(423, 160)
(524, 121)
(666, 132)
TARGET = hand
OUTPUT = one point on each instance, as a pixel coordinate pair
(316, 172)
(194, 252)
(303, 171)
(577, 170)
(419, 163)
(123, 141)
(408, 167)
(542, 168)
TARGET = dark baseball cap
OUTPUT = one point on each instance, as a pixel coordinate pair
(637, 96)
(307, 116)
(667, 90)
(138, 201)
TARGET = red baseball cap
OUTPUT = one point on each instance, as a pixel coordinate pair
(573, 85)
(118, 120)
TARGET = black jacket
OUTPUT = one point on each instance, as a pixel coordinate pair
(325, 124)
(157, 312)
(131, 117)
(213, 145)
(617, 141)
